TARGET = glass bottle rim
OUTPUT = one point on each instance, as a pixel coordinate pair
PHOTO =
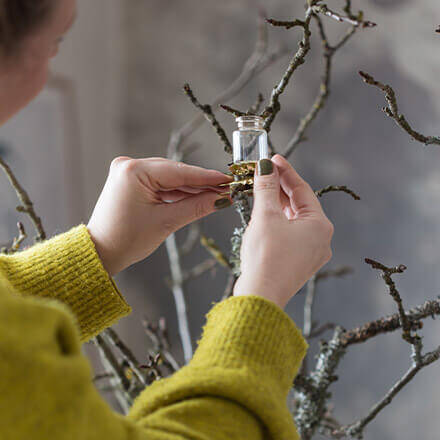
(250, 121)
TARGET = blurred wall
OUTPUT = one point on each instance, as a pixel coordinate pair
(128, 61)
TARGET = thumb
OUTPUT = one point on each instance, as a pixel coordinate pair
(193, 208)
(267, 187)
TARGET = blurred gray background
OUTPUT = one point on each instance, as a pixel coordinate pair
(123, 67)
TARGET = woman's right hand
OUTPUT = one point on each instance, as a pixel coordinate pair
(289, 237)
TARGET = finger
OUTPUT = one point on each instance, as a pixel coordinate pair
(286, 205)
(302, 197)
(199, 189)
(168, 174)
(172, 196)
(193, 208)
(267, 187)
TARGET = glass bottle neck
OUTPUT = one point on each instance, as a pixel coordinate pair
(250, 122)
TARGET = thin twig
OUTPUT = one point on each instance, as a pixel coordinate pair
(334, 273)
(254, 109)
(356, 429)
(391, 323)
(308, 307)
(323, 9)
(387, 273)
(320, 102)
(333, 188)
(229, 289)
(119, 381)
(271, 111)
(393, 111)
(158, 334)
(260, 59)
(179, 296)
(16, 242)
(419, 360)
(103, 376)
(285, 24)
(199, 269)
(127, 354)
(192, 239)
(210, 116)
(210, 245)
(318, 331)
(233, 111)
(26, 204)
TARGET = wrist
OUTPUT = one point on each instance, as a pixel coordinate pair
(105, 253)
(257, 287)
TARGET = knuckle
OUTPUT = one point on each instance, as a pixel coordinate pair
(326, 228)
(169, 226)
(200, 210)
(329, 228)
(265, 185)
(328, 255)
(128, 167)
(118, 161)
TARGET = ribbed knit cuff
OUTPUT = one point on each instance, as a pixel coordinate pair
(68, 268)
(256, 331)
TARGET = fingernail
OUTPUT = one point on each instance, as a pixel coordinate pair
(222, 203)
(265, 167)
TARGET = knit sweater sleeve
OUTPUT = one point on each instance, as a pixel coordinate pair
(235, 387)
(67, 268)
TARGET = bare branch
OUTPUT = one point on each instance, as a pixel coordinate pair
(393, 111)
(419, 361)
(192, 239)
(200, 269)
(215, 251)
(17, 241)
(356, 429)
(127, 354)
(120, 384)
(229, 289)
(285, 24)
(324, 89)
(333, 188)
(308, 307)
(179, 296)
(387, 272)
(318, 331)
(103, 376)
(209, 115)
(158, 335)
(271, 111)
(260, 59)
(334, 273)
(391, 323)
(323, 9)
(233, 111)
(255, 108)
(26, 204)
(152, 366)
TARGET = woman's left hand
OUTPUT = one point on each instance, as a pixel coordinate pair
(144, 201)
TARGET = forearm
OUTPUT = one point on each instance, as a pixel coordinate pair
(67, 268)
(249, 354)
(235, 387)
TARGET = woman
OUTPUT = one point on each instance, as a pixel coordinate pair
(60, 293)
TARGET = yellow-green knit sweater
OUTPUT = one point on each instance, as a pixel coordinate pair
(235, 387)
